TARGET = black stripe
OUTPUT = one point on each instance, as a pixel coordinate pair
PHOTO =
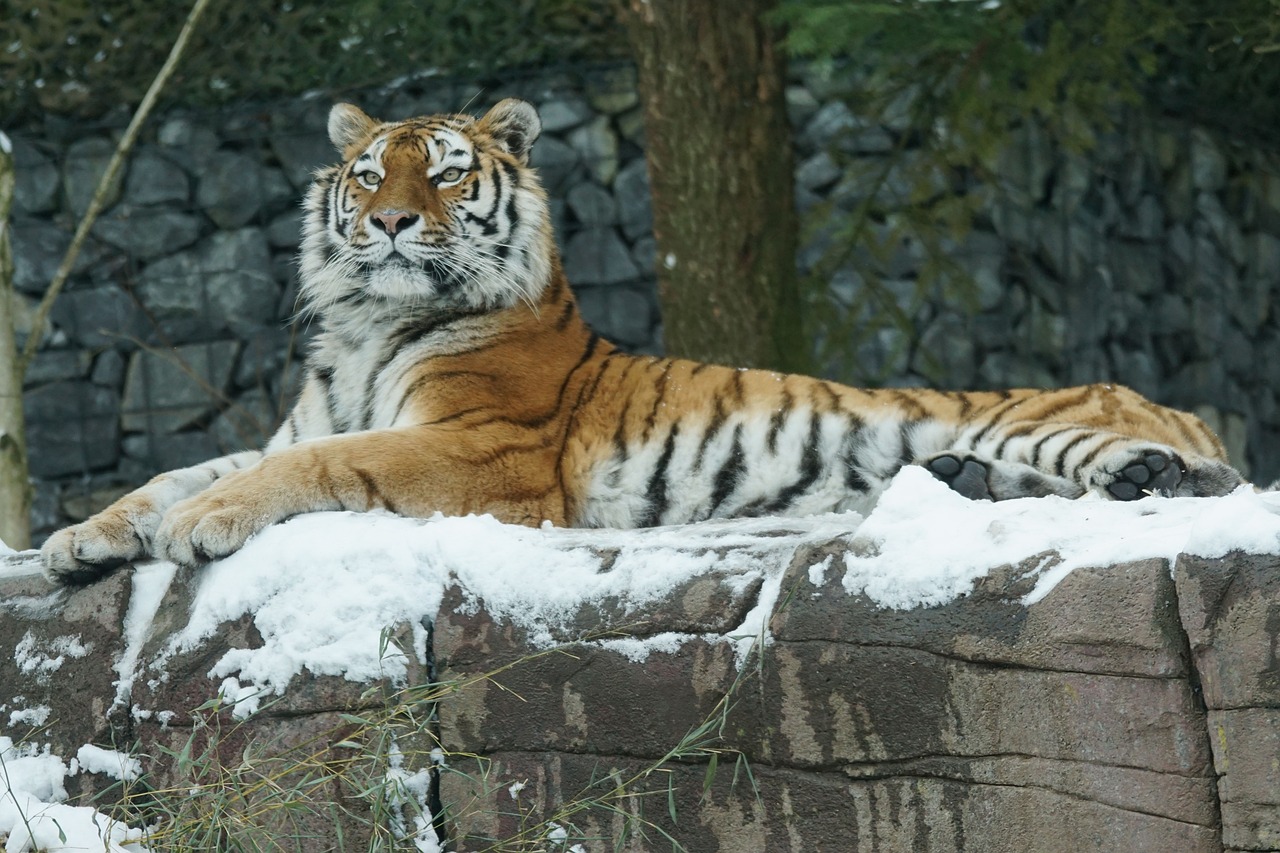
(726, 479)
(1040, 442)
(1051, 413)
(656, 492)
(660, 390)
(994, 416)
(906, 451)
(1102, 445)
(1059, 465)
(779, 417)
(810, 469)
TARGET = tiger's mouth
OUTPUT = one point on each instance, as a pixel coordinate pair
(442, 275)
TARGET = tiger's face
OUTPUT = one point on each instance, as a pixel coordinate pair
(441, 211)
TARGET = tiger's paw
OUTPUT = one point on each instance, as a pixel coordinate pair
(85, 552)
(1153, 472)
(199, 530)
(963, 473)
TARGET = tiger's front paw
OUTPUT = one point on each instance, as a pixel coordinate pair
(87, 551)
(202, 529)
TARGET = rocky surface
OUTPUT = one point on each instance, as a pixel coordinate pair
(1152, 261)
(1133, 708)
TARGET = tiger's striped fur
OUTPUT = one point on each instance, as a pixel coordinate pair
(453, 372)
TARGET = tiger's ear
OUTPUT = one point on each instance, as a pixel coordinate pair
(515, 125)
(349, 128)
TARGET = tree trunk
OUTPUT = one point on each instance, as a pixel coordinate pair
(15, 485)
(720, 171)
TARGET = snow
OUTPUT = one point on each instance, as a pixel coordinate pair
(924, 545)
(33, 813)
(323, 589)
(118, 765)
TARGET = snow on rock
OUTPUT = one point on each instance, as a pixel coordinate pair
(925, 545)
(117, 765)
(323, 587)
(33, 813)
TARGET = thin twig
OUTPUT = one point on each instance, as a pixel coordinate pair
(100, 194)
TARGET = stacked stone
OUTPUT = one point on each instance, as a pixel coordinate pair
(173, 343)
(1153, 261)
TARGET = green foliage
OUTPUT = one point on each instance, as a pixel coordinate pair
(954, 80)
(80, 57)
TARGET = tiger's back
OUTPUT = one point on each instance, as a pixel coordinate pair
(453, 373)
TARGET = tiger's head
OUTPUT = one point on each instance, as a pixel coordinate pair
(434, 212)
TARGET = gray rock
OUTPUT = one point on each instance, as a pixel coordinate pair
(167, 390)
(285, 231)
(613, 91)
(1010, 370)
(277, 193)
(1146, 222)
(631, 126)
(1207, 162)
(1226, 232)
(56, 365)
(635, 203)
(645, 253)
(1024, 164)
(598, 145)
(224, 283)
(557, 163)
(170, 452)
(35, 179)
(195, 139)
(264, 355)
(817, 172)
(598, 256)
(155, 179)
(148, 232)
(592, 205)
(38, 247)
(86, 162)
(301, 154)
(108, 369)
(801, 105)
(562, 113)
(72, 427)
(621, 314)
(247, 424)
(231, 189)
(1136, 267)
(101, 317)
(947, 353)
(832, 122)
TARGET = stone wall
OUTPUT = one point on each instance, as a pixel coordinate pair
(1153, 262)
(1131, 709)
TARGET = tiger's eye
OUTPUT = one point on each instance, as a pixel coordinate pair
(450, 175)
(370, 178)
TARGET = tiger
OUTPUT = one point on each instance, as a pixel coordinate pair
(452, 372)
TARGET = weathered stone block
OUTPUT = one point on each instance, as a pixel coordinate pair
(166, 391)
(58, 683)
(72, 427)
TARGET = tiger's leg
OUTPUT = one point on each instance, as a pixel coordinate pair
(981, 478)
(126, 530)
(413, 471)
(1113, 465)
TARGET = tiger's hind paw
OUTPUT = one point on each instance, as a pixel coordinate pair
(1155, 472)
(965, 475)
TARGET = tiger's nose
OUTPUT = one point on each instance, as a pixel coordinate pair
(393, 221)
